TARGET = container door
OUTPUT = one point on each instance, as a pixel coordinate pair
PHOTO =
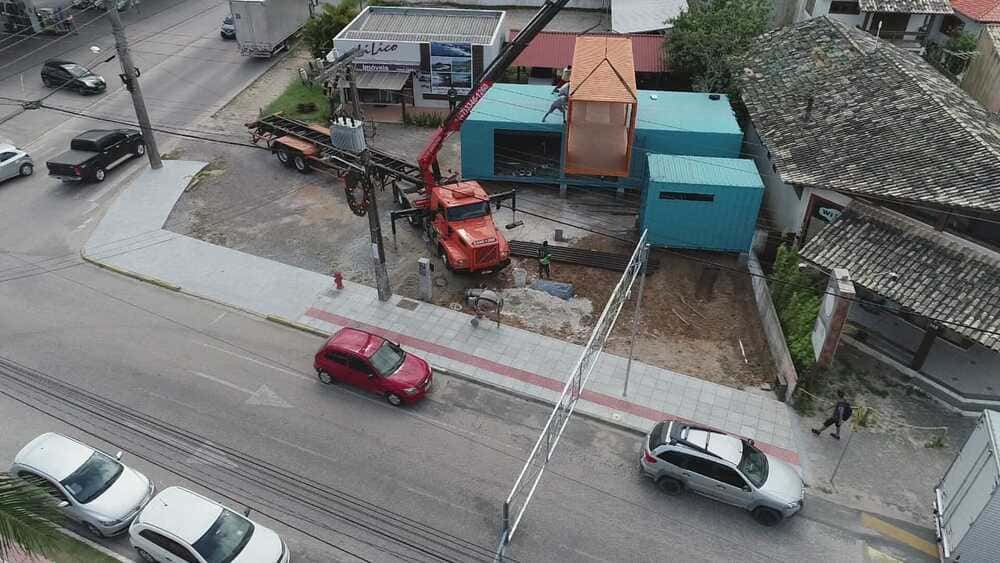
(968, 484)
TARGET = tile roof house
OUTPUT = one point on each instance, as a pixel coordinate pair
(906, 23)
(877, 163)
(981, 11)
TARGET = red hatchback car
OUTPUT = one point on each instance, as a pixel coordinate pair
(371, 362)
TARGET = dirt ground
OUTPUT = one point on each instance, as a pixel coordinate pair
(247, 201)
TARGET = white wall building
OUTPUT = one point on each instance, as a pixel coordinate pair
(417, 55)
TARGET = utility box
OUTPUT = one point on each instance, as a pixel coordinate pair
(966, 502)
(600, 119)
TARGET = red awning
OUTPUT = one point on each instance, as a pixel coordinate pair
(554, 49)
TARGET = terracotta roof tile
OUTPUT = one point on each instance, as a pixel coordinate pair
(983, 11)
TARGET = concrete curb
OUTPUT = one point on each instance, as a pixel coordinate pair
(131, 274)
(539, 400)
(96, 546)
(298, 326)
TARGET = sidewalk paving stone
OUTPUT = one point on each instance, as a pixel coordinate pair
(520, 361)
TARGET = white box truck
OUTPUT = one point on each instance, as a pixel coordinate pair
(263, 27)
(967, 503)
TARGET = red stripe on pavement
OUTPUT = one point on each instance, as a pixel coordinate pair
(524, 376)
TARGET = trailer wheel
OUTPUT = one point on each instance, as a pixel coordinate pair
(283, 157)
(301, 164)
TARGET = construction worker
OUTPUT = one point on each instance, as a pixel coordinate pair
(559, 104)
(544, 259)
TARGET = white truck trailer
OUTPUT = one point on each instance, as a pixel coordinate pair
(263, 27)
(967, 501)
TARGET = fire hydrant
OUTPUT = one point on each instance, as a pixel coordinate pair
(338, 280)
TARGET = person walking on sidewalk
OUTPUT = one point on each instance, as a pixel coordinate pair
(544, 259)
(841, 412)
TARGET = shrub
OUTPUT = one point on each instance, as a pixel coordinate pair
(421, 119)
(797, 296)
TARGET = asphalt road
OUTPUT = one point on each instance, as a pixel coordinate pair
(188, 72)
(226, 404)
(240, 385)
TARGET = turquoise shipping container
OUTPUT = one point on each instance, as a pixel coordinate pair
(702, 203)
(505, 139)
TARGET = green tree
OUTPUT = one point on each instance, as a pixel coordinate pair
(320, 30)
(27, 517)
(709, 34)
(960, 49)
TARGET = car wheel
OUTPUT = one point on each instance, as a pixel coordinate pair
(92, 530)
(27, 169)
(283, 157)
(325, 378)
(393, 399)
(301, 164)
(766, 516)
(140, 149)
(670, 486)
(99, 175)
(145, 556)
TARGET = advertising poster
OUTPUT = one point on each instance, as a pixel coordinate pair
(451, 67)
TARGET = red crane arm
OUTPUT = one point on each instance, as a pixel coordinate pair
(428, 157)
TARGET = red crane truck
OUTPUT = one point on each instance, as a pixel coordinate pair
(456, 216)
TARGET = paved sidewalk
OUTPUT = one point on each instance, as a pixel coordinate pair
(522, 362)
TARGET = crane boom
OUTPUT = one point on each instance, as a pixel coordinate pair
(428, 157)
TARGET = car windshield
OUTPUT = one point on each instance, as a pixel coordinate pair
(76, 70)
(753, 465)
(228, 20)
(468, 211)
(92, 478)
(226, 538)
(387, 358)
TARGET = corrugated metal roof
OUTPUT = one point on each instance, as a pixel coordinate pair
(938, 274)
(554, 49)
(388, 23)
(603, 70)
(906, 6)
(704, 171)
(633, 16)
(381, 80)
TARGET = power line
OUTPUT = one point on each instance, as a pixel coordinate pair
(541, 216)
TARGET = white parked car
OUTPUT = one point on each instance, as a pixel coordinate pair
(14, 162)
(179, 525)
(91, 486)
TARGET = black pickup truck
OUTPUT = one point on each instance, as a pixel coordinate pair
(92, 153)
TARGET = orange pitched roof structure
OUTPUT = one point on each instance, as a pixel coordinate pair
(602, 107)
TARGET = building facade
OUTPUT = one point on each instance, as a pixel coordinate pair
(876, 163)
(420, 56)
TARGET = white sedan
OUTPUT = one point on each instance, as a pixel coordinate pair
(14, 162)
(91, 487)
(179, 525)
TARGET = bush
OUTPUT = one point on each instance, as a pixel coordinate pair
(797, 296)
(421, 119)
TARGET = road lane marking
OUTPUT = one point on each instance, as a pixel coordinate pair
(876, 556)
(221, 382)
(265, 397)
(258, 362)
(217, 319)
(898, 534)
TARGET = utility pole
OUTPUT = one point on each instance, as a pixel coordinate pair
(375, 226)
(130, 76)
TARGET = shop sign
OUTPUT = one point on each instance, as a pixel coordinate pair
(399, 55)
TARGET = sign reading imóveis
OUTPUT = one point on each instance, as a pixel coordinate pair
(382, 55)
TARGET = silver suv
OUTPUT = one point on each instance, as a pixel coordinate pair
(679, 456)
